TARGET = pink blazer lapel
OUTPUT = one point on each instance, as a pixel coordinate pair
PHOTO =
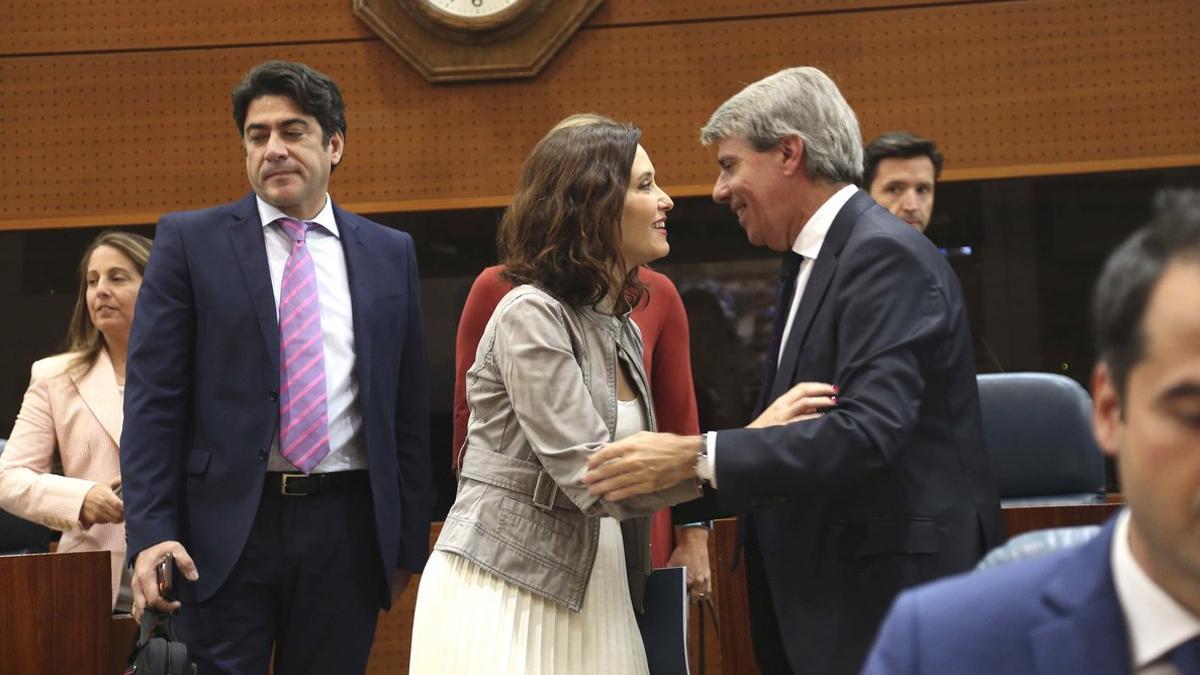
(98, 389)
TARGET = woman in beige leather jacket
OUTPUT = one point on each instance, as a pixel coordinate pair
(531, 574)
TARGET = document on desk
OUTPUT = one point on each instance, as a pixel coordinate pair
(664, 623)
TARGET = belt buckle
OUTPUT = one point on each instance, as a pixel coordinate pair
(544, 492)
(283, 485)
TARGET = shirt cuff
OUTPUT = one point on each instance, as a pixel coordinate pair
(710, 440)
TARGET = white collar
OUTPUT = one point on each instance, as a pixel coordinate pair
(269, 214)
(1155, 622)
(812, 235)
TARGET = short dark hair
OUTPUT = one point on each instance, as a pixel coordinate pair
(563, 230)
(314, 92)
(901, 145)
(1131, 273)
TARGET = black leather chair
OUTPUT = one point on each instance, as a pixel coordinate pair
(18, 535)
(1038, 434)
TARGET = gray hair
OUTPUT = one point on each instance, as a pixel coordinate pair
(800, 102)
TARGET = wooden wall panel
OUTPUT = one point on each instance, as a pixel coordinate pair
(72, 27)
(1007, 88)
(68, 26)
(641, 11)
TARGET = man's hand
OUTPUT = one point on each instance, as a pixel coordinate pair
(803, 401)
(640, 464)
(102, 505)
(691, 551)
(145, 577)
(399, 583)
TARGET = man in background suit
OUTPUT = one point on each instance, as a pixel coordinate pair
(889, 488)
(900, 172)
(277, 416)
(1127, 601)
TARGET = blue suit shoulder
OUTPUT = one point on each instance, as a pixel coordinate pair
(988, 622)
(207, 215)
(1010, 591)
(974, 622)
(877, 227)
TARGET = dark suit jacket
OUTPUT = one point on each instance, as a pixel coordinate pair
(202, 383)
(890, 488)
(1049, 615)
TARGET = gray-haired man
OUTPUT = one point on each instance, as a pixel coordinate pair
(890, 487)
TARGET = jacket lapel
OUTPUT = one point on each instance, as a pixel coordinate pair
(98, 389)
(246, 234)
(818, 283)
(1088, 635)
(362, 293)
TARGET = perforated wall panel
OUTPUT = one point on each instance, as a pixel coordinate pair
(1007, 88)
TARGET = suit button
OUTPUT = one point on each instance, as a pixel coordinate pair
(273, 395)
(262, 455)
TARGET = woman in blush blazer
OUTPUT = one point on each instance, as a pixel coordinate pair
(72, 409)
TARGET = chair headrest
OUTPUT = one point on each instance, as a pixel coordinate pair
(1038, 434)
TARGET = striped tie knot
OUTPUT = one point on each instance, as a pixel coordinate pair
(296, 230)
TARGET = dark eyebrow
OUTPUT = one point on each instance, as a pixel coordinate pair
(1187, 389)
(257, 126)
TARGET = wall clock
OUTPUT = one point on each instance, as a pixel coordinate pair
(473, 17)
(457, 40)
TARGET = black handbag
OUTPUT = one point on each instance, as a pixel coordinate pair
(157, 651)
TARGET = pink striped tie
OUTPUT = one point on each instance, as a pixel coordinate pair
(303, 414)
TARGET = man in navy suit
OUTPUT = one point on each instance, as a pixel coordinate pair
(283, 562)
(1127, 601)
(891, 487)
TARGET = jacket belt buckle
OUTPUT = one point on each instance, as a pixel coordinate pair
(544, 492)
(283, 485)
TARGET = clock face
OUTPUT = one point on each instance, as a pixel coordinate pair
(468, 9)
(460, 40)
(467, 17)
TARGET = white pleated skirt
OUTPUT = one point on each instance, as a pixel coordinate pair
(470, 621)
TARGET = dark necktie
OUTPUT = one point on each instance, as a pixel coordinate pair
(789, 268)
(303, 414)
(1186, 657)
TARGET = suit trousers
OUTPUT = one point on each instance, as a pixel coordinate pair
(769, 652)
(306, 589)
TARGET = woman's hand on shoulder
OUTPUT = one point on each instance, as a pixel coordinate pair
(803, 401)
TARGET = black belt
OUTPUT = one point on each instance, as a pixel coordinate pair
(303, 485)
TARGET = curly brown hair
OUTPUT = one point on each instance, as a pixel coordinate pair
(563, 230)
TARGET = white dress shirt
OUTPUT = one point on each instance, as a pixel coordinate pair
(808, 244)
(324, 244)
(1155, 622)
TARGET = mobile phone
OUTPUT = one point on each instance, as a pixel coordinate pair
(166, 577)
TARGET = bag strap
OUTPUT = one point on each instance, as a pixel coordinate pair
(155, 624)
